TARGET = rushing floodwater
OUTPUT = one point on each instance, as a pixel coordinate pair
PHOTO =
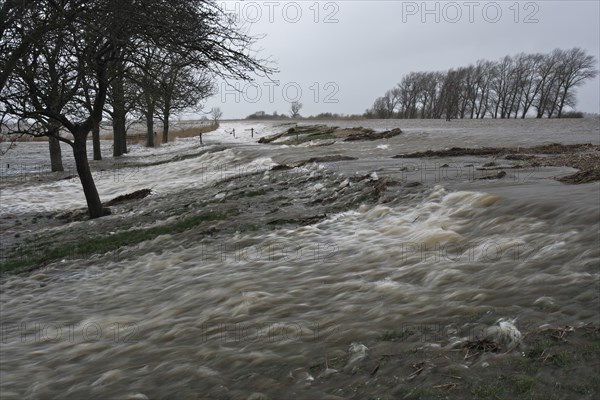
(182, 325)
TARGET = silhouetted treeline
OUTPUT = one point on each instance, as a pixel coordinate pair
(325, 115)
(328, 115)
(264, 115)
(540, 85)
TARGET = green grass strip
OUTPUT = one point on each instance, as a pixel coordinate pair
(105, 244)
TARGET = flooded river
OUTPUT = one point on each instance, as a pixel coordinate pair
(243, 311)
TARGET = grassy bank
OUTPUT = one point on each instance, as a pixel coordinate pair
(31, 258)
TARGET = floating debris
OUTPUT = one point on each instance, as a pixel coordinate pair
(504, 333)
(357, 353)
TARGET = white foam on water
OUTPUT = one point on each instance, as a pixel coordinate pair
(284, 296)
(163, 178)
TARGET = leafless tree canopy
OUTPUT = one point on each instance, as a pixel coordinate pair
(216, 114)
(526, 84)
(66, 63)
(295, 108)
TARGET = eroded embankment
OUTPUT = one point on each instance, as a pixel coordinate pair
(585, 157)
(281, 196)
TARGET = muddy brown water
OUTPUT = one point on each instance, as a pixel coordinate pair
(250, 308)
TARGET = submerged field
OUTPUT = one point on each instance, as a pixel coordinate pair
(309, 269)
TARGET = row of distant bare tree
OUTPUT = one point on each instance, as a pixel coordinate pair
(541, 85)
(65, 65)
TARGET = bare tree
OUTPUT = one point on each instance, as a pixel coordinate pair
(449, 96)
(145, 76)
(485, 72)
(180, 89)
(295, 108)
(216, 114)
(197, 30)
(576, 67)
(16, 41)
(530, 87)
(123, 99)
(379, 109)
(428, 93)
(40, 73)
(409, 95)
(84, 57)
(391, 100)
(546, 82)
(24, 25)
(504, 89)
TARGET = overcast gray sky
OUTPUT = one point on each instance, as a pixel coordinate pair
(338, 56)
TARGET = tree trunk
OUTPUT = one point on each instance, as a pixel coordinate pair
(119, 133)
(55, 155)
(119, 113)
(553, 105)
(85, 175)
(525, 110)
(562, 103)
(540, 107)
(165, 135)
(150, 126)
(124, 148)
(96, 141)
